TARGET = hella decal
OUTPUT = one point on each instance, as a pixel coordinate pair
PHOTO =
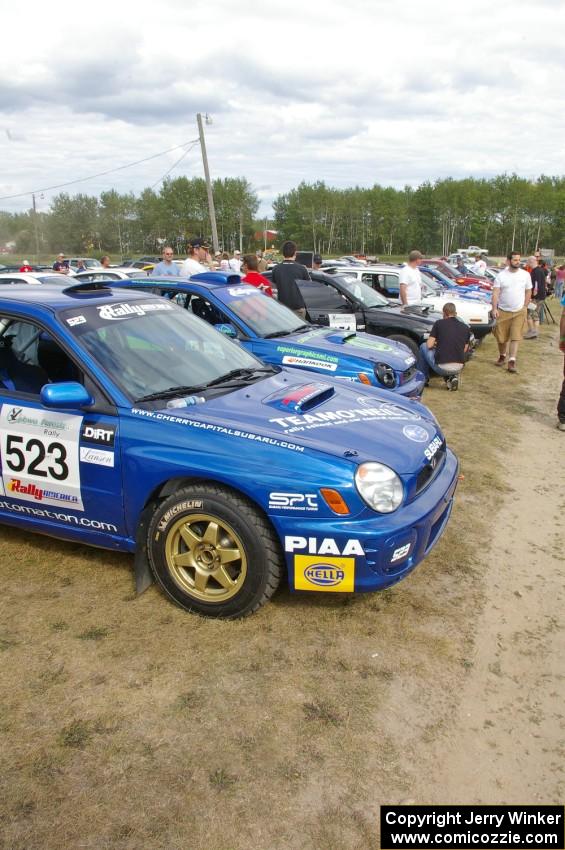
(335, 575)
(328, 546)
(400, 553)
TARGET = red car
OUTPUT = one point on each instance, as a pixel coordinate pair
(462, 280)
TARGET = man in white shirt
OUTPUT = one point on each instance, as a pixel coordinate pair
(479, 266)
(511, 294)
(410, 280)
(235, 262)
(197, 256)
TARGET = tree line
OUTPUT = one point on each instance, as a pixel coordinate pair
(503, 213)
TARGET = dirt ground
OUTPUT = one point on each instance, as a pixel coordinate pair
(127, 724)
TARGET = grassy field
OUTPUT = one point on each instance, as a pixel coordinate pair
(127, 724)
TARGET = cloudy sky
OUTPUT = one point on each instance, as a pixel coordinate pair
(352, 93)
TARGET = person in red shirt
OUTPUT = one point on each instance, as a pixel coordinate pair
(249, 266)
(25, 267)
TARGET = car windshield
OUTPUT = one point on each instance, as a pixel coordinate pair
(149, 346)
(432, 285)
(365, 294)
(265, 316)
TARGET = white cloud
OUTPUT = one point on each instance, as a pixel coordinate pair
(351, 93)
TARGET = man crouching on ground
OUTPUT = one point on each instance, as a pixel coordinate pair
(444, 350)
(511, 294)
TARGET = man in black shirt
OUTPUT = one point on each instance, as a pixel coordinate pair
(536, 306)
(444, 350)
(284, 277)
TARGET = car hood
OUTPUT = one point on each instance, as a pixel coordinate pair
(343, 343)
(326, 416)
(416, 313)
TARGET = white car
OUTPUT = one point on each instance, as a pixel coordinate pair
(88, 262)
(109, 274)
(385, 279)
(35, 278)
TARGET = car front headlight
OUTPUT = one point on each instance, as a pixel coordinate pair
(379, 487)
(385, 375)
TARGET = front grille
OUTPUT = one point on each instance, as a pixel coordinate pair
(408, 374)
(431, 469)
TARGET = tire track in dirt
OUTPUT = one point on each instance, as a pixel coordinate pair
(507, 741)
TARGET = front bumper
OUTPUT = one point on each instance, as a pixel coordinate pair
(368, 554)
(413, 388)
(481, 330)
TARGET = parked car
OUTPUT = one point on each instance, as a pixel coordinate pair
(109, 274)
(141, 263)
(463, 280)
(135, 426)
(88, 262)
(35, 278)
(385, 279)
(275, 334)
(349, 304)
(471, 291)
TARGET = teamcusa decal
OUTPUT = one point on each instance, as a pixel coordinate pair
(96, 431)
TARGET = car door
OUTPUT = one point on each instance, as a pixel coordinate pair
(59, 467)
(326, 305)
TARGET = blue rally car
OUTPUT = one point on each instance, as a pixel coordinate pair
(128, 423)
(276, 335)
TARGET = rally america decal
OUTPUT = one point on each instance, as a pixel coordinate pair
(40, 456)
(118, 312)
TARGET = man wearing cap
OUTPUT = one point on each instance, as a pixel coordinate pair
(317, 262)
(61, 265)
(410, 280)
(166, 267)
(235, 262)
(197, 256)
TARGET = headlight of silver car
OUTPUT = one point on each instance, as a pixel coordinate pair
(379, 487)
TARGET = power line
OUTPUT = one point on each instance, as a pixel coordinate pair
(172, 168)
(192, 142)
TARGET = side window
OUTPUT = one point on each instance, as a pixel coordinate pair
(321, 296)
(202, 308)
(30, 358)
(391, 284)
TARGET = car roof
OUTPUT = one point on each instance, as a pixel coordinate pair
(54, 298)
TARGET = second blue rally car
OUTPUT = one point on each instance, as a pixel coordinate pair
(275, 334)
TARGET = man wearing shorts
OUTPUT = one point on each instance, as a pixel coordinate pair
(511, 294)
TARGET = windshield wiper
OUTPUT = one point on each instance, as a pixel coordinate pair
(299, 329)
(171, 392)
(229, 378)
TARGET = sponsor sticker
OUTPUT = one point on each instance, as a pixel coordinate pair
(301, 352)
(415, 433)
(333, 575)
(99, 457)
(400, 553)
(117, 312)
(40, 457)
(343, 321)
(326, 546)
(239, 291)
(293, 502)
(309, 421)
(98, 432)
(307, 363)
(433, 447)
(76, 320)
(94, 432)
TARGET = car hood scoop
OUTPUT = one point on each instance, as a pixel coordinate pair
(300, 398)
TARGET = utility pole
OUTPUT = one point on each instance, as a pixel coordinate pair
(35, 229)
(211, 209)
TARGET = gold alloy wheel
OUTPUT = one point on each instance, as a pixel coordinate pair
(206, 558)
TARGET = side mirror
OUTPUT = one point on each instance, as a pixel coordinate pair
(68, 395)
(227, 329)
